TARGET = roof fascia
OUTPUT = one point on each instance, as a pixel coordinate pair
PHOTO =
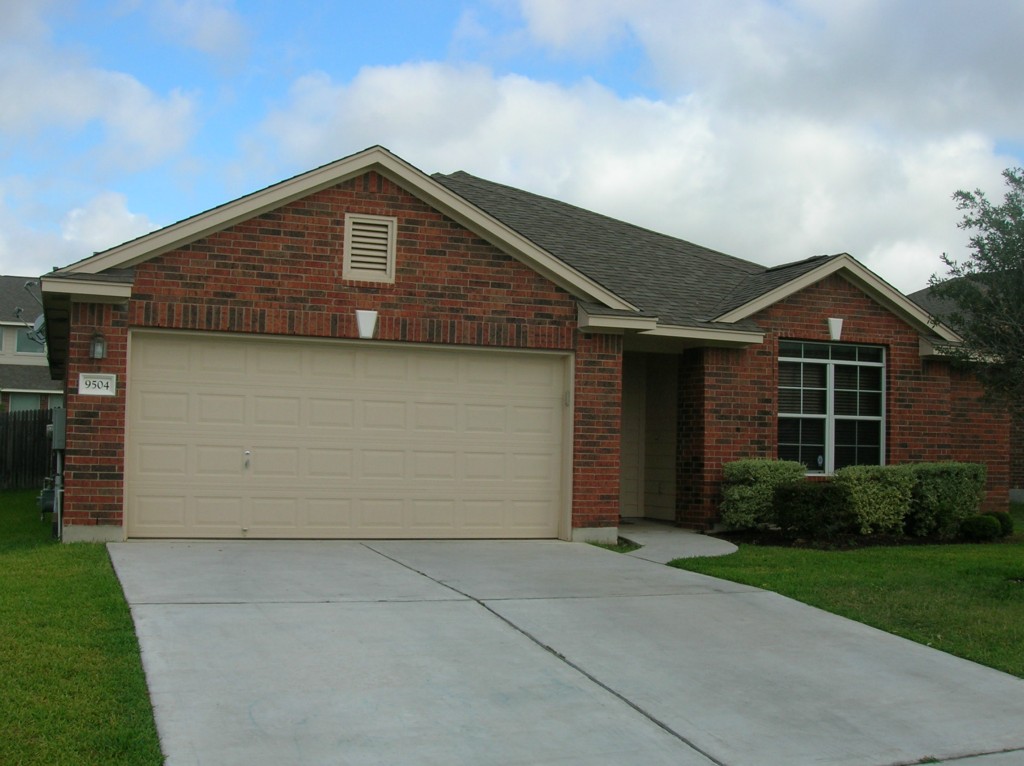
(708, 335)
(389, 165)
(858, 275)
(88, 291)
(588, 322)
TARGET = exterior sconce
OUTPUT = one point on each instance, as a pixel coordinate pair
(835, 328)
(366, 323)
(98, 346)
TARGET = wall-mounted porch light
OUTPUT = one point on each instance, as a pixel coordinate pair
(98, 346)
(366, 323)
(835, 328)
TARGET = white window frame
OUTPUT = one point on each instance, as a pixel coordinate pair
(830, 416)
(351, 268)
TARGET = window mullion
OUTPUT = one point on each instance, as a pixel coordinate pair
(830, 442)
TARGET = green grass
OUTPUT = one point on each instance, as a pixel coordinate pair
(967, 600)
(72, 690)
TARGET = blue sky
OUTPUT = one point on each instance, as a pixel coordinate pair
(769, 129)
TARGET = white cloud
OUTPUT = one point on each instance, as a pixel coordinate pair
(776, 189)
(29, 249)
(210, 26)
(46, 90)
(104, 221)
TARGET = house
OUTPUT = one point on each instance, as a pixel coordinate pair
(367, 351)
(941, 307)
(25, 382)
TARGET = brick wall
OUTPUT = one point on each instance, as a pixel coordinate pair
(280, 274)
(94, 457)
(728, 398)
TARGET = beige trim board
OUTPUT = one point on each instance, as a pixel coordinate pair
(88, 291)
(727, 337)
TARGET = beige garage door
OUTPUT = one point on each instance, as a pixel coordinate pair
(232, 437)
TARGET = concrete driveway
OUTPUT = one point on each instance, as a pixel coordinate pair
(529, 653)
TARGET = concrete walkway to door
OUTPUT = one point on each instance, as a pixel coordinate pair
(445, 652)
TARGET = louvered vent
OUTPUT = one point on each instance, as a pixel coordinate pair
(369, 248)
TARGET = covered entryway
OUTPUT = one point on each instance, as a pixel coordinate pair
(283, 438)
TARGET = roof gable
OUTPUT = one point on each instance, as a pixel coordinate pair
(373, 159)
(769, 288)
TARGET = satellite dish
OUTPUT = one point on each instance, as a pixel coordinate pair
(38, 331)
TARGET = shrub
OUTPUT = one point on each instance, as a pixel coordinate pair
(944, 494)
(1005, 522)
(878, 496)
(980, 528)
(818, 510)
(749, 488)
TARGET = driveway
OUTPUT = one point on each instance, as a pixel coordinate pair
(445, 652)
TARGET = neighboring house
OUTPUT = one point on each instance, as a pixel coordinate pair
(25, 382)
(940, 307)
(535, 369)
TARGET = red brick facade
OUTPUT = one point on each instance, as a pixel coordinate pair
(727, 399)
(280, 274)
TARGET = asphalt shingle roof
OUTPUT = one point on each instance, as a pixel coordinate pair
(27, 377)
(682, 283)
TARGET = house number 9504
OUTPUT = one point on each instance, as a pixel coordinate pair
(94, 384)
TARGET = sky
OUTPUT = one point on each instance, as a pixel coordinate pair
(772, 130)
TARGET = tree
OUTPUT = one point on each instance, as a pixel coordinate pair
(983, 294)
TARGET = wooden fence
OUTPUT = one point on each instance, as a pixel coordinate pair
(25, 454)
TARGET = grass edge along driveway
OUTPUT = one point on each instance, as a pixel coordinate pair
(73, 688)
(967, 600)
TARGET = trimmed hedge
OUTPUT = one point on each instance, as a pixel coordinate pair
(980, 528)
(944, 494)
(749, 489)
(1005, 522)
(817, 510)
(879, 496)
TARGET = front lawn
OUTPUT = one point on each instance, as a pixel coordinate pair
(72, 690)
(964, 599)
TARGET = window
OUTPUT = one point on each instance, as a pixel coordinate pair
(24, 402)
(831, 405)
(369, 248)
(27, 345)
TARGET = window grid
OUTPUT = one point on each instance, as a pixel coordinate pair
(831, 405)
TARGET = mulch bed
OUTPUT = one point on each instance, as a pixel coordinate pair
(775, 537)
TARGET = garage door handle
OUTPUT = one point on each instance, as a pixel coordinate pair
(247, 453)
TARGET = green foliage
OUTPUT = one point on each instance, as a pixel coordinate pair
(750, 487)
(1005, 522)
(944, 494)
(817, 510)
(878, 496)
(984, 293)
(980, 528)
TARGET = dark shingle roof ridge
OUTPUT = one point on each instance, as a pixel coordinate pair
(802, 262)
(568, 206)
(756, 285)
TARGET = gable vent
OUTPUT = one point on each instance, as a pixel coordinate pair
(369, 248)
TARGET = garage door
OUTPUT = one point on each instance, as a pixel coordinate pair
(232, 437)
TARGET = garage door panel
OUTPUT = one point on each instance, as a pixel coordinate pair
(218, 409)
(217, 515)
(344, 440)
